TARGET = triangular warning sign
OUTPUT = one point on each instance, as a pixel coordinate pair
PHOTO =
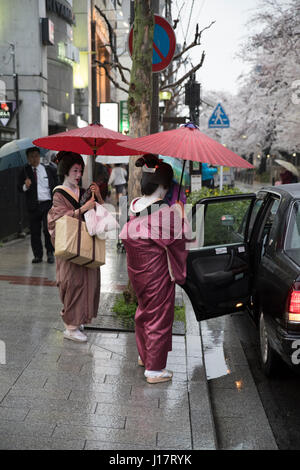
(219, 118)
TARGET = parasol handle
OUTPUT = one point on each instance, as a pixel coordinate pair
(179, 190)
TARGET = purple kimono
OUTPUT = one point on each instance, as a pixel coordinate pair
(156, 259)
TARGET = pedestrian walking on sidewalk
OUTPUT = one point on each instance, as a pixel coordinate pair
(208, 172)
(156, 259)
(37, 181)
(79, 286)
(118, 180)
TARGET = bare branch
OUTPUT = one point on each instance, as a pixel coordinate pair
(116, 63)
(194, 69)
(104, 66)
(195, 42)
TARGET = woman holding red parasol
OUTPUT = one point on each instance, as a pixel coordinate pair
(156, 259)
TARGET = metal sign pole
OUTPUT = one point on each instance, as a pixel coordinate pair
(221, 168)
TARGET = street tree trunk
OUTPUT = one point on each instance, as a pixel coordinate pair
(140, 90)
(140, 95)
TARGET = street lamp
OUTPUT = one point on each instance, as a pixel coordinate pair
(164, 96)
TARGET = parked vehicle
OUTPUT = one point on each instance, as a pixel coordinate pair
(246, 255)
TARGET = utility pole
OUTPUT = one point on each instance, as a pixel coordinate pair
(192, 100)
(16, 86)
(95, 115)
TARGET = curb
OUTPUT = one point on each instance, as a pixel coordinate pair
(203, 429)
(240, 419)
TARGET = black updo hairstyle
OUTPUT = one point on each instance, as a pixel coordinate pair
(65, 162)
(150, 181)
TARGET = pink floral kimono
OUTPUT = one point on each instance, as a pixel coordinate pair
(156, 259)
(79, 286)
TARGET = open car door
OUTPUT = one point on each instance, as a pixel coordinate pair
(218, 267)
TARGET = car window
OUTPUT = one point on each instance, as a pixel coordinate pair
(255, 210)
(292, 245)
(221, 222)
(269, 221)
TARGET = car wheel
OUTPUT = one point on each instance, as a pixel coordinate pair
(269, 358)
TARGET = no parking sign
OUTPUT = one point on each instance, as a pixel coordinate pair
(164, 43)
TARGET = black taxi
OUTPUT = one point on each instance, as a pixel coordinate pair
(245, 255)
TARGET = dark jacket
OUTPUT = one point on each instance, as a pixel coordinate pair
(31, 193)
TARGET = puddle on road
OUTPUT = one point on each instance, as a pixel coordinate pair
(215, 361)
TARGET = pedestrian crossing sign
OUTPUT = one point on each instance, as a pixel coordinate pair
(219, 118)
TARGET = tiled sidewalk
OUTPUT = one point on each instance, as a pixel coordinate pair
(55, 394)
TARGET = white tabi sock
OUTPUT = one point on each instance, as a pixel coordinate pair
(152, 373)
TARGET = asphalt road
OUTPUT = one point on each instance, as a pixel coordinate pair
(280, 396)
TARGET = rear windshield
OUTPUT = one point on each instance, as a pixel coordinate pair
(292, 246)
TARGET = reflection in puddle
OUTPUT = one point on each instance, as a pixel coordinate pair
(215, 361)
(239, 384)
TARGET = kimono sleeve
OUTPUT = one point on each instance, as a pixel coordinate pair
(60, 207)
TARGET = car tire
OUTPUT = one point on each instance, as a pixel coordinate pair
(269, 359)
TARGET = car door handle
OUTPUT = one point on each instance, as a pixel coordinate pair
(230, 262)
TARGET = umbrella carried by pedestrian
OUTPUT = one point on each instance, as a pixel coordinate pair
(288, 166)
(290, 175)
(188, 143)
(93, 139)
(13, 154)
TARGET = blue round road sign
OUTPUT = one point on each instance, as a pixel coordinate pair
(164, 43)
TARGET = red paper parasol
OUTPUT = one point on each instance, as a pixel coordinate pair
(89, 140)
(187, 143)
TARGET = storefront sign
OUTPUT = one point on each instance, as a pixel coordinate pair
(61, 10)
(196, 182)
(6, 111)
(109, 116)
(124, 117)
(47, 32)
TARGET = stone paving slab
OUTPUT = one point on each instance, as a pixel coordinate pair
(13, 414)
(76, 418)
(48, 403)
(56, 394)
(130, 409)
(9, 442)
(24, 429)
(123, 436)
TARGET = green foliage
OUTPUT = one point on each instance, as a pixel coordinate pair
(207, 192)
(127, 311)
(123, 309)
(215, 231)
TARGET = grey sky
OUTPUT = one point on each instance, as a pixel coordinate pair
(221, 42)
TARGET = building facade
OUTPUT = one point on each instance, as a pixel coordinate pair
(50, 73)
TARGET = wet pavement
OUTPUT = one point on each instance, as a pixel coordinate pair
(239, 416)
(56, 394)
(250, 188)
